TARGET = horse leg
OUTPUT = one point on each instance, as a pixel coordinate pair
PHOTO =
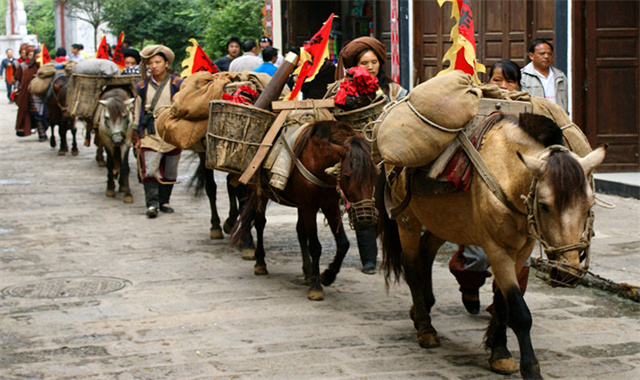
(215, 232)
(260, 220)
(111, 185)
(62, 132)
(248, 248)
(52, 140)
(233, 205)
(342, 244)
(74, 143)
(303, 240)
(315, 249)
(510, 309)
(124, 176)
(99, 150)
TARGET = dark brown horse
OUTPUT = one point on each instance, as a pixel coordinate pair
(332, 163)
(58, 115)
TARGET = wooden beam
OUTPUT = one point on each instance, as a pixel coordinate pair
(302, 104)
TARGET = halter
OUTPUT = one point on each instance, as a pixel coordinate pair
(547, 266)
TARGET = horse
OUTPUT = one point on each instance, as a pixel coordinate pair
(332, 164)
(57, 104)
(114, 116)
(526, 157)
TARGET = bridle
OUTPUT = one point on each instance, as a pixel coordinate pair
(547, 266)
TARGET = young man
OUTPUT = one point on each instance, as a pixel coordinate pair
(266, 41)
(541, 79)
(6, 71)
(269, 56)
(249, 60)
(131, 61)
(158, 159)
(233, 47)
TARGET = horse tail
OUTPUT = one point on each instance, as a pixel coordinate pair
(198, 180)
(391, 247)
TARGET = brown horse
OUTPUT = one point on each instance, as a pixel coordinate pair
(523, 157)
(58, 115)
(333, 164)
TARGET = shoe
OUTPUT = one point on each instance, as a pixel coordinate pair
(471, 302)
(369, 268)
(42, 138)
(166, 208)
(152, 212)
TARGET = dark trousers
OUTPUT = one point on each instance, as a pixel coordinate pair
(9, 89)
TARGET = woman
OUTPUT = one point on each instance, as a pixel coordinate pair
(158, 159)
(371, 54)
(25, 72)
(470, 263)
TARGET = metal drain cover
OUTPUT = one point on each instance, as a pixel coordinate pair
(66, 287)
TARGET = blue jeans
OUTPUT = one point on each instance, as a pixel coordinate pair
(9, 88)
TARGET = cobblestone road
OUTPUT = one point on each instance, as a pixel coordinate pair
(93, 289)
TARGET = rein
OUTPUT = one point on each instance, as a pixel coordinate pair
(533, 217)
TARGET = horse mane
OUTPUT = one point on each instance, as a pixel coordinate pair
(358, 161)
(541, 128)
(115, 102)
(567, 178)
(335, 132)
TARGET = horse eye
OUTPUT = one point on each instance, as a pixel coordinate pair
(544, 207)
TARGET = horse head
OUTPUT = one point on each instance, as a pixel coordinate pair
(559, 207)
(356, 175)
(116, 115)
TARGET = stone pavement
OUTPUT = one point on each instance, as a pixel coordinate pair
(92, 289)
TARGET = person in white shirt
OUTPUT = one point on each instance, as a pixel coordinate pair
(249, 60)
(541, 79)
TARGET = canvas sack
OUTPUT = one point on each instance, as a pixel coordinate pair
(196, 91)
(182, 133)
(97, 66)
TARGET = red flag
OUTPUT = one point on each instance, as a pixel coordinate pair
(312, 55)
(118, 58)
(462, 54)
(44, 55)
(197, 60)
(103, 49)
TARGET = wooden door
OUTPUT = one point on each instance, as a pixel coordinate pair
(607, 83)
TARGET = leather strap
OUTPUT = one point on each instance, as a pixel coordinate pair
(304, 171)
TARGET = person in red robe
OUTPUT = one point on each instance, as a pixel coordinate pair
(25, 72)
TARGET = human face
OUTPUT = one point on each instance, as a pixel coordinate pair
(9, 53)
(129, 61)
(23, 54)
(263, 45)
(542, 57)
(234, 49)
(501, 81)
(74, 51)
(30, 56)
(369, 61)
(158, 67)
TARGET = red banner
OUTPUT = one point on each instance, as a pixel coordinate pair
(118, 57)
(44, 55)
(197, 60)
(103, 49)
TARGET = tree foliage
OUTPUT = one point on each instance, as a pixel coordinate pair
(41, 21)
(226, 18)
(90, 11)
(166, 22)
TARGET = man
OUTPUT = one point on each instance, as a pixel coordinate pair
(76, 53)
(158, 159)
(233, 47)
(266, 41)
(131, 61)
(541, 79)
(269, 56)
(249, 60)
(6, 70)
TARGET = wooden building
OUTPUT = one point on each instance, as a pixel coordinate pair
(597, 44)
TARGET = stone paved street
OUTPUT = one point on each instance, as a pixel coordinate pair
(92, 289)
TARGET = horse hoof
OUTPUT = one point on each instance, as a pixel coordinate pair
(87, 143)
(260, 270)
(102, 164)
(504, 366)
(62, 152)
(128, 199)
(75, 152)
(429, 340)
(228, 226)
(52, 141)
(327, 278)
(215, 234)
(248, 254)
(316, 295)
(110, 193)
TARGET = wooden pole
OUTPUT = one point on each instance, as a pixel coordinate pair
(273, 89)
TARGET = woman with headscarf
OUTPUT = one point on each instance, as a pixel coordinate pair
(158, 159)
(25, 72)
(371, 54)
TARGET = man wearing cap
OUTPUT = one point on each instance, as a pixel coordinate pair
(158, 159)
(249, 60)
(131, 61)
(266, 41)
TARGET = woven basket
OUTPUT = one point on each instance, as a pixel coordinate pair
(85, 90)
(359, 118)
(234, 134)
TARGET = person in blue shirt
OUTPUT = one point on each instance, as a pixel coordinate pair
(269, 56)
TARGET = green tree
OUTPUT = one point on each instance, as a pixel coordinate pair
(41, 22)
(226, 18)
(167, 22)
(90, 11)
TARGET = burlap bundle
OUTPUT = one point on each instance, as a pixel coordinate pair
(182, 133)
(417, 129)
(39, 86)
(196, 91)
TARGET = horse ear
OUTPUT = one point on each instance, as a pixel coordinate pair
(103, 102)
(536, 165)
(129, 101)
(593, 159)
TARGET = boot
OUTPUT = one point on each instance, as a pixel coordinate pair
(470, 281)
(368, 249)
(151, 198)
(164, 195)
(42, 131)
